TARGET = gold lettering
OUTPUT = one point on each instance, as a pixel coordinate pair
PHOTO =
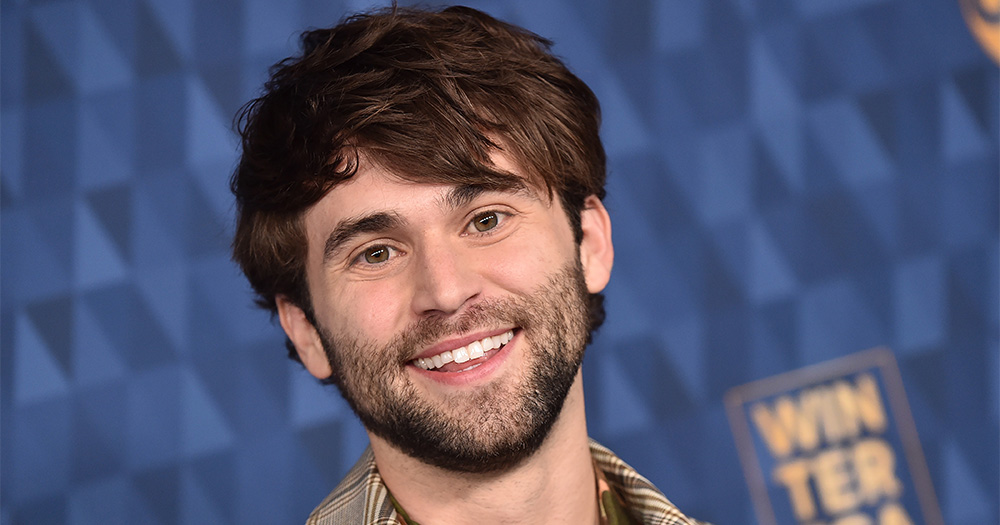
(771, 428)
(860, 407)
(836, 412)
(893, 514)
(818, 410)
(794, 475)
(875, 464)
(869, 404)
(834, 482)
(784, 427)
(848, 408)
(854, 519)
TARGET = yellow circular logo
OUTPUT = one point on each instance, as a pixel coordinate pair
(983, 18)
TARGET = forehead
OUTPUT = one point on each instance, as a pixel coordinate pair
(376, 186)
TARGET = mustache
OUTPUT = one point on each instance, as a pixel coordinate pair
(485, 315)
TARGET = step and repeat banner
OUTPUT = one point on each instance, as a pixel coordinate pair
(833, 443)
(802, 319)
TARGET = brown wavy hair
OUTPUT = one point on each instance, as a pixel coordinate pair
(427, 95)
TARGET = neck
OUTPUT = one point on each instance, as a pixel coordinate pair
(554, 485)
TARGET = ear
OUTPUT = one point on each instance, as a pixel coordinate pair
(304, 336)
(597, 254)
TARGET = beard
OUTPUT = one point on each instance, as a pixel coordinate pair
(492, 428)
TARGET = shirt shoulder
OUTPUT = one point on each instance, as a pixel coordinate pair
(642, 499)
(360, 498)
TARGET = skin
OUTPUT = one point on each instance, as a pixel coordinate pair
(440, 265)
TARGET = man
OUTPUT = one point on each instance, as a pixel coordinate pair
(419, 201)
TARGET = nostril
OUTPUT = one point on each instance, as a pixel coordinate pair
(444, 285)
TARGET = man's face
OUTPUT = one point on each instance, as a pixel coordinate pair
(453, 321)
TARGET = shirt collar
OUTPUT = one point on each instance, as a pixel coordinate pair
(610, 507)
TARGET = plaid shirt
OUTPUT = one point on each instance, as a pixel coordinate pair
(362, 498)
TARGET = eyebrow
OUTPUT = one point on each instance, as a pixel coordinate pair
(464, 194)
(348, 229)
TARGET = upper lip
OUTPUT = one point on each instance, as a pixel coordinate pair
(458, 342)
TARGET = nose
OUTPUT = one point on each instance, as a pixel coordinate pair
(446, 279)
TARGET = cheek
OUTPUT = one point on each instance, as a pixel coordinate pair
(529, 263)
(370, 314)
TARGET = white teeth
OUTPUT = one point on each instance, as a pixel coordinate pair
(474, 350)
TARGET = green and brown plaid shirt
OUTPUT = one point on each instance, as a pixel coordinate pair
(362, 498)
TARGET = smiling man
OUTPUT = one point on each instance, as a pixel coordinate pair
(419, 201)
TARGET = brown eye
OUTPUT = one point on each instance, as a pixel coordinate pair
(486, 221)
(376, 254)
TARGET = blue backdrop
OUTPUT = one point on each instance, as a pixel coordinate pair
(790, 181)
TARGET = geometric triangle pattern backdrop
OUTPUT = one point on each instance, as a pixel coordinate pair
(790, 181)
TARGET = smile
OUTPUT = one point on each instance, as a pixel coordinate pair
(473, 350)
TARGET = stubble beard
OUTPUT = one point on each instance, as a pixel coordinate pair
(495, 427)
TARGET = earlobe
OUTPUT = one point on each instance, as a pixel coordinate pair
(304, 336)
(597, 254)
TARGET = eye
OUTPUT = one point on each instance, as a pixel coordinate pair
(485, 221)
(376, 254)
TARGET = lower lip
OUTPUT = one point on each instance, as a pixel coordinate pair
(479, 374)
